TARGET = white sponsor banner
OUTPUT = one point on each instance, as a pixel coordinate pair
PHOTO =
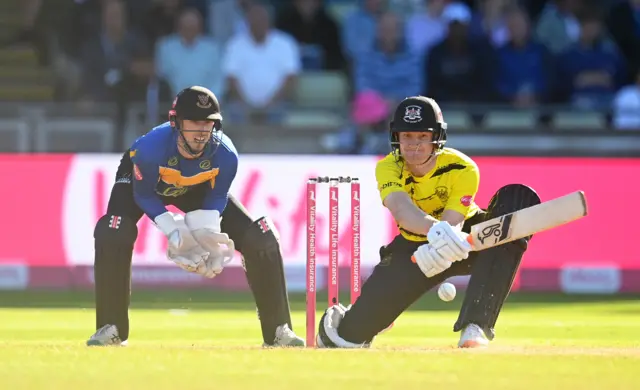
(267, 185)
(590, 279)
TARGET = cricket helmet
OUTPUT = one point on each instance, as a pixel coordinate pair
(418, 114)
(196, 103)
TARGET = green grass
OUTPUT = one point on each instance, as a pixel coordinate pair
(204, 340)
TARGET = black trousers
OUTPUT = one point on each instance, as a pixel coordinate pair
(395, 284)
(235, 218)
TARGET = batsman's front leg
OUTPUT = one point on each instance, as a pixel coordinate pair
(493, 272)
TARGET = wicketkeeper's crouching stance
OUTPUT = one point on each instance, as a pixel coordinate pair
(187, 162)
(430, 190)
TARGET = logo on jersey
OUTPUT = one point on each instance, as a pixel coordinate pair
(391, 184)
(114, 222)
(174, 177)
(173, 161)
(264, 226)
(126, 179)
(205, 164)
(204, 101)
(466, 200)
(442, 193)
(412, 114)
(136, 172)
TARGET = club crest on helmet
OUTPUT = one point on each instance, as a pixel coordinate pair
(412, 114)
(203, 101)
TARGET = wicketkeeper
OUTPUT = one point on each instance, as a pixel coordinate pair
(430, 191)
(187, 162)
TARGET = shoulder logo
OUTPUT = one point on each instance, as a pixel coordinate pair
(466, 200)
(136, 172)
(173, 161)
(205, 164)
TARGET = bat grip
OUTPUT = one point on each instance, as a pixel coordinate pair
(470, 240)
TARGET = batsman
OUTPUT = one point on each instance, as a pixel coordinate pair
(429, 190)
(190, 163)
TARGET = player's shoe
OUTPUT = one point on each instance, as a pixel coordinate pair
(285, 337)
(473, 337)
(105, 336)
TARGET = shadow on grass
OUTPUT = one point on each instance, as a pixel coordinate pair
(217, 300)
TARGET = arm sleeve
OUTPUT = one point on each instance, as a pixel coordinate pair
(216, 198)
(291, 61)
(464, 190)
(145, 178)
(389, 178)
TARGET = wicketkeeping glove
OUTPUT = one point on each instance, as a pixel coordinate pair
(205, 227)
(182, 248)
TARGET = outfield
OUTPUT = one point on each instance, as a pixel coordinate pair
(203, 340)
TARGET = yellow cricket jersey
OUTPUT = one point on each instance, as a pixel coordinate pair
(452, 184)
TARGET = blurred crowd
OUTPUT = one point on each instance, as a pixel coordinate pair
(582, 53)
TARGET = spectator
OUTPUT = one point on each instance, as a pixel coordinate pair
(457, 69)
(524, 66)
(359, 28)
(261, 69)
(404, 8)
(489, 22)
(30, 32)
(228, 18)
(425, 29)
(389, 68)
(316, 32)
(116, 63)
(624, 25)
(368, 132)
(591, 70)
(81, 24)
(558, 27)
(626, 106)
(161, 19)
(189, 58)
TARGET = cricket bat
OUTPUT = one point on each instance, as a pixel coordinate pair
(525, 222)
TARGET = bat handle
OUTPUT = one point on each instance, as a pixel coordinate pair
(469, 240)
